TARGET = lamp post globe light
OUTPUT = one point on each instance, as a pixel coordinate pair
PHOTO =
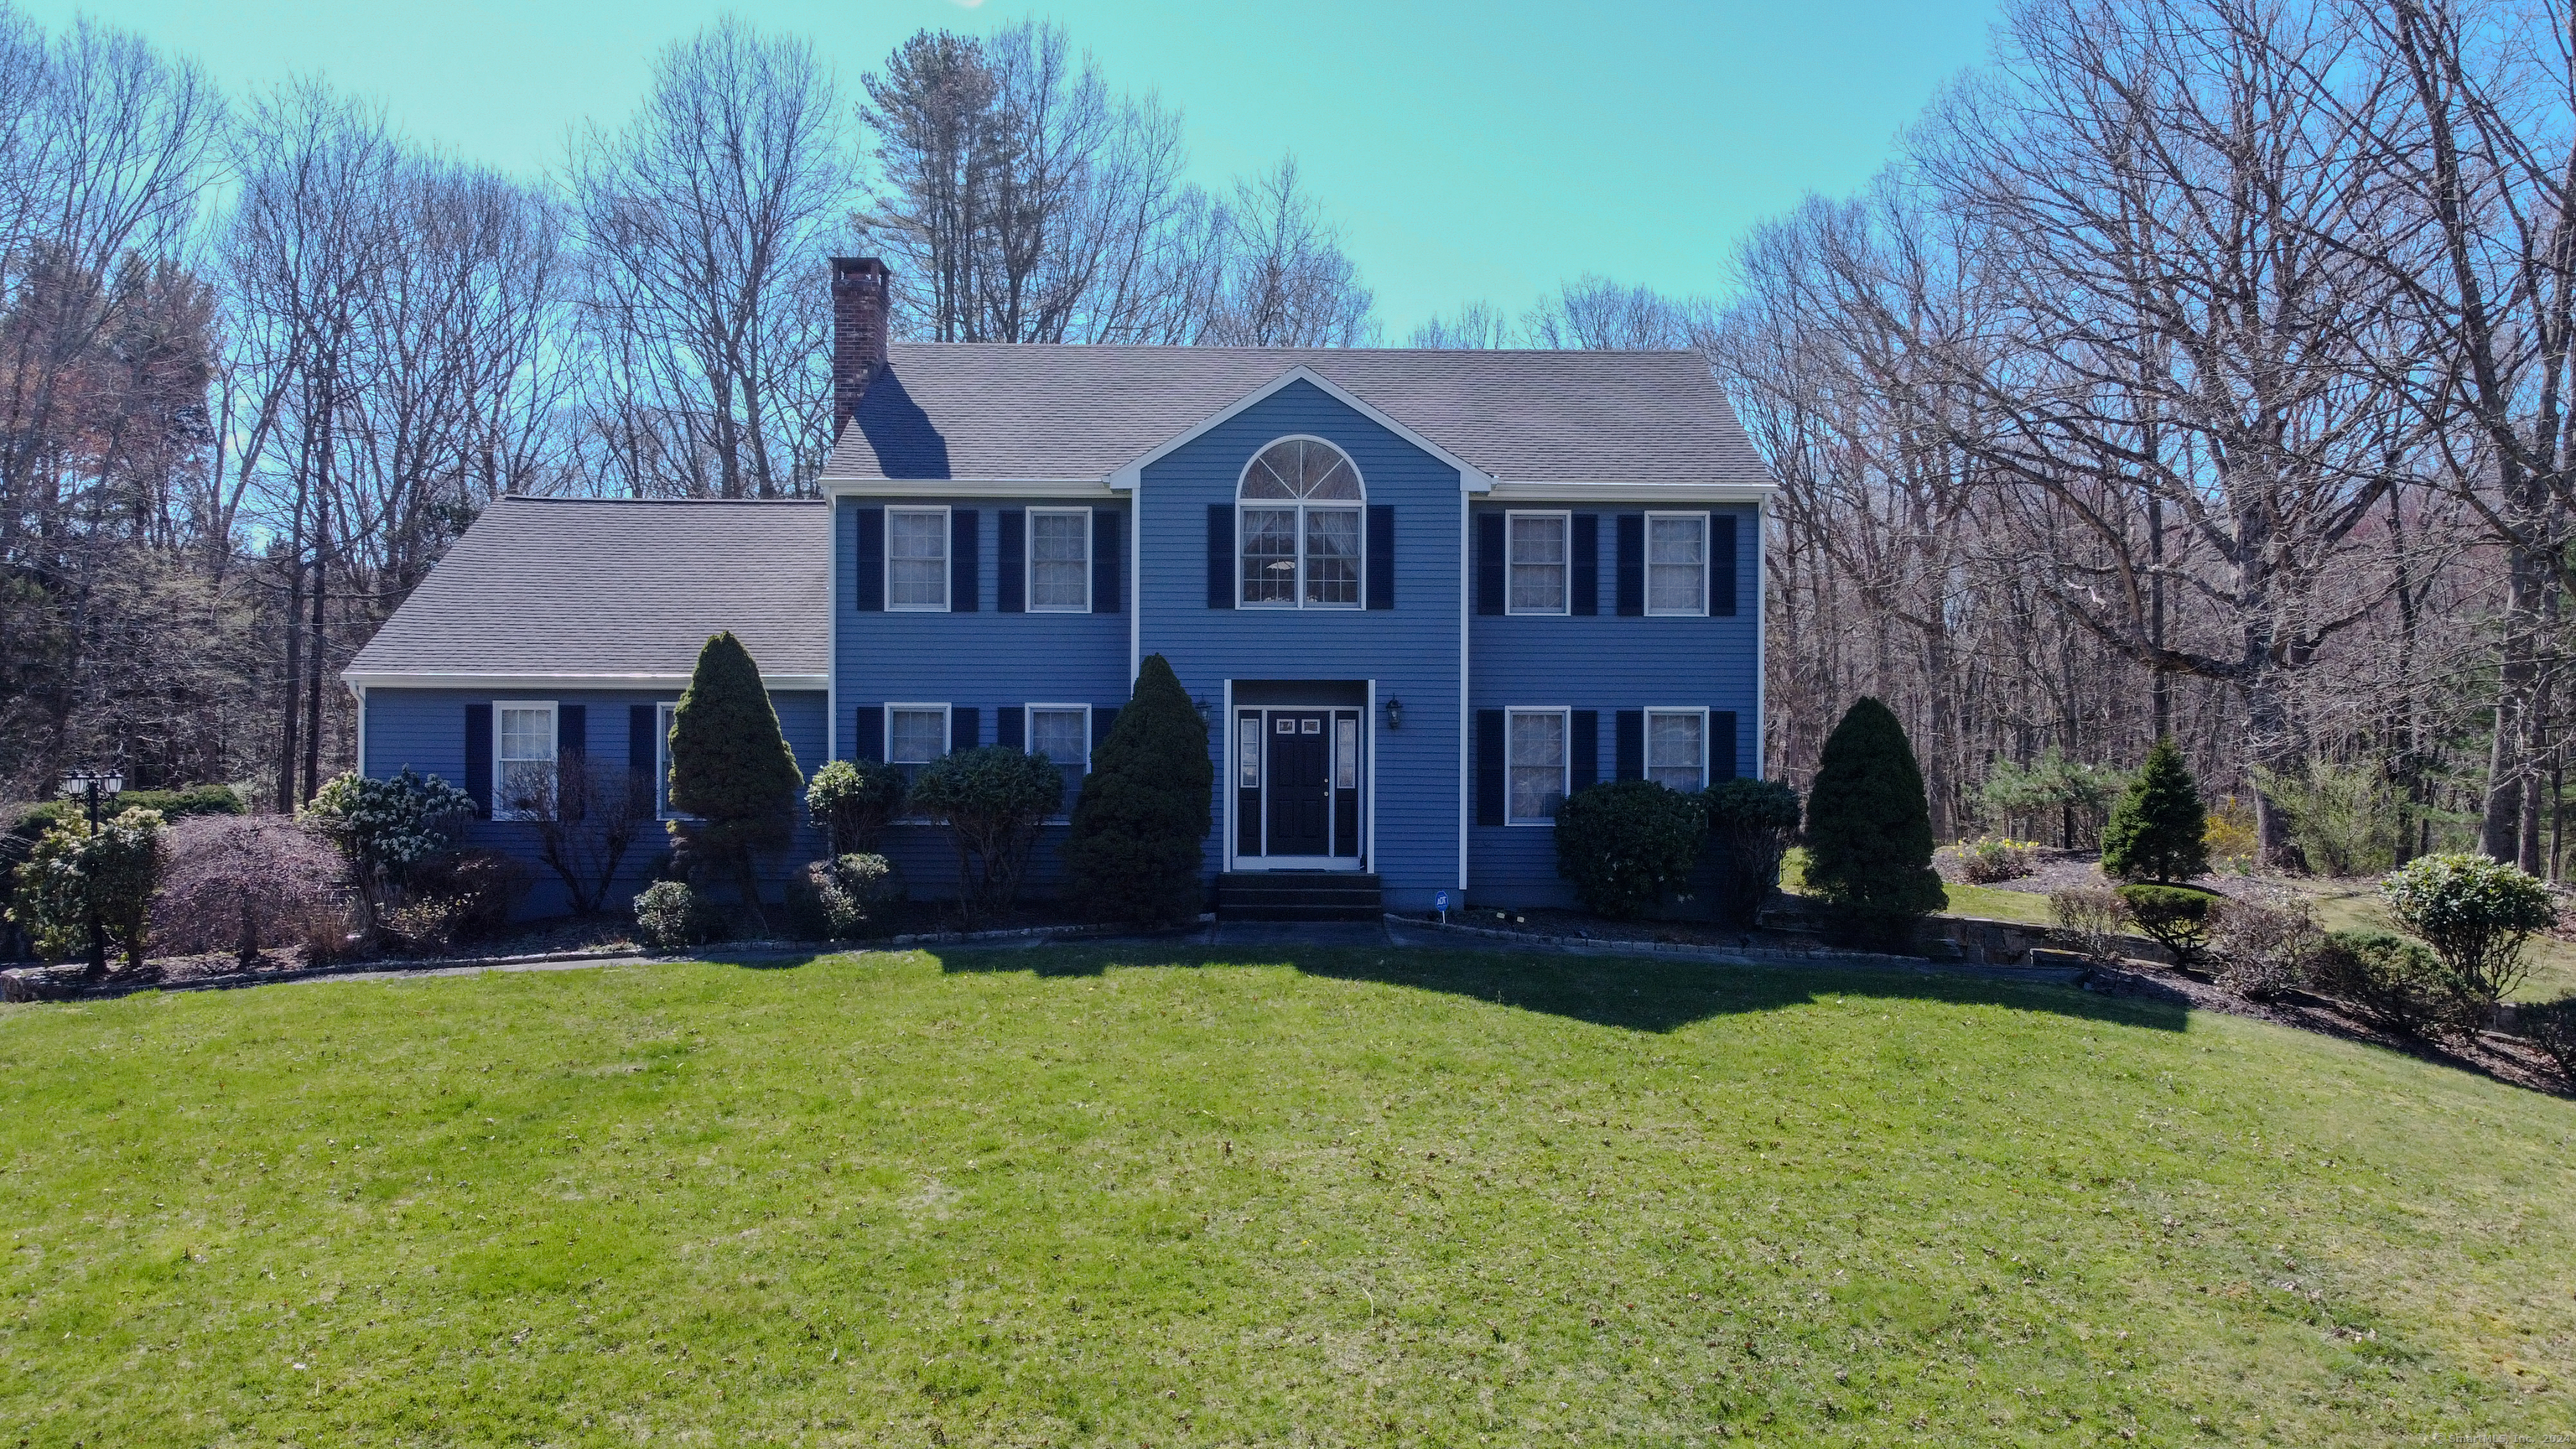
(94, 785)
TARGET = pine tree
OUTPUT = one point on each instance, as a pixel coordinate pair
(1140, 828)
(731, 767)
(1869, 828)
(2157, 831)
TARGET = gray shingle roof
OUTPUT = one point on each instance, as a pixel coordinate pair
(617, 586)
(993, 410)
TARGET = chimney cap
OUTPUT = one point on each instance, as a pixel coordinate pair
(865, 266)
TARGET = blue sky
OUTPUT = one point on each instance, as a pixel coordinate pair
(1468, 151)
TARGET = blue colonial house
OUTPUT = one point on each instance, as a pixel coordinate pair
(1420, 596)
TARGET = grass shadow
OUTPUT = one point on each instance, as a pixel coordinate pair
(1637, 993)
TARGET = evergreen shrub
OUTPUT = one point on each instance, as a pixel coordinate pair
(670, 918)
(2476, 914)
(2177, 917)
(2158, 830)
(838, 900)
(992, 799)
(2389, 979)
(1624, 846)
(2551, 1026)
(732, 770)
(1751, 825)
(74, 871)
(1869, 829)
(1140, 826)
(853, 801)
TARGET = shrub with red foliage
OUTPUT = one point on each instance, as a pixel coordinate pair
(245, 882)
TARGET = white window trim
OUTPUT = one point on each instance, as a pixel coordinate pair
(1029, 736)
(1646, 745)
(666, 715)
(947, 742)
(1298, 506)
(1564, 766)
(501, 763)
(947, 727)
(947, 561)
(1566, 606)
(1029, 561)
(1707, 562)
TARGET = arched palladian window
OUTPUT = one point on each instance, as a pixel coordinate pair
(1298, 512)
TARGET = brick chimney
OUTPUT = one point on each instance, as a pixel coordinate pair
(859, 302)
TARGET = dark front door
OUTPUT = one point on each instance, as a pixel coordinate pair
(1301, 787)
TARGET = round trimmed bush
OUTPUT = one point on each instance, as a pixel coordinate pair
(2389, 979)
(1625, 845)
(837, 900)
(74, 871)
(670, 917)
(854, 801)
(2179, 918)
(2476, 914)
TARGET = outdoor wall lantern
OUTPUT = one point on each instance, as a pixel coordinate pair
(1394, 713)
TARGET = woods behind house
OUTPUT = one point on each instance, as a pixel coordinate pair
(2198, 369)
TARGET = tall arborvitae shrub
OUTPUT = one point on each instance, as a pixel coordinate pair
(2158, 830)
(1140, 828)
(731, 767)
(1869, 829)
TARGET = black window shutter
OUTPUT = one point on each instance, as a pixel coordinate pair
(870, 572)
(965, 727)
(643, 754)
(1492, 784)
(1721, 744)
(572, 729)
(867, 733)
(965, 562)
(1632, 744)
(1721, 573)
(1010, 546)
(1220, 555)
(478, 758)
(1104, 718)
(1489, 563)
(1381, 556)
(1108, 560)
(1010, 726)
(1584, 742)
(1587, 563)
(1632, 563)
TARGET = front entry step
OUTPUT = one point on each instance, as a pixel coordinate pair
(1320, 895)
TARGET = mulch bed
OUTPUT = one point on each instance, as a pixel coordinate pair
(2493, 1054)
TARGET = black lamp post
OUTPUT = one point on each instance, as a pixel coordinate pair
(92, 785)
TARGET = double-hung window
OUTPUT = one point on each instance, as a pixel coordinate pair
(1059, 560)
(523, 774)
(1676, 563)
(1539, 562)
(1538, 765)
(1298, 543)
(662, 717)
(1062, 733)
(916, 734)
(1677, 748)
(917, 558)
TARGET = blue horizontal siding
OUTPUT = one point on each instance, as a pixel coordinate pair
(1411, 650)
(1608, 663)
(424, 729)
(984, 660)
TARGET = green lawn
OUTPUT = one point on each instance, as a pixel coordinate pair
(1094, 1197)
